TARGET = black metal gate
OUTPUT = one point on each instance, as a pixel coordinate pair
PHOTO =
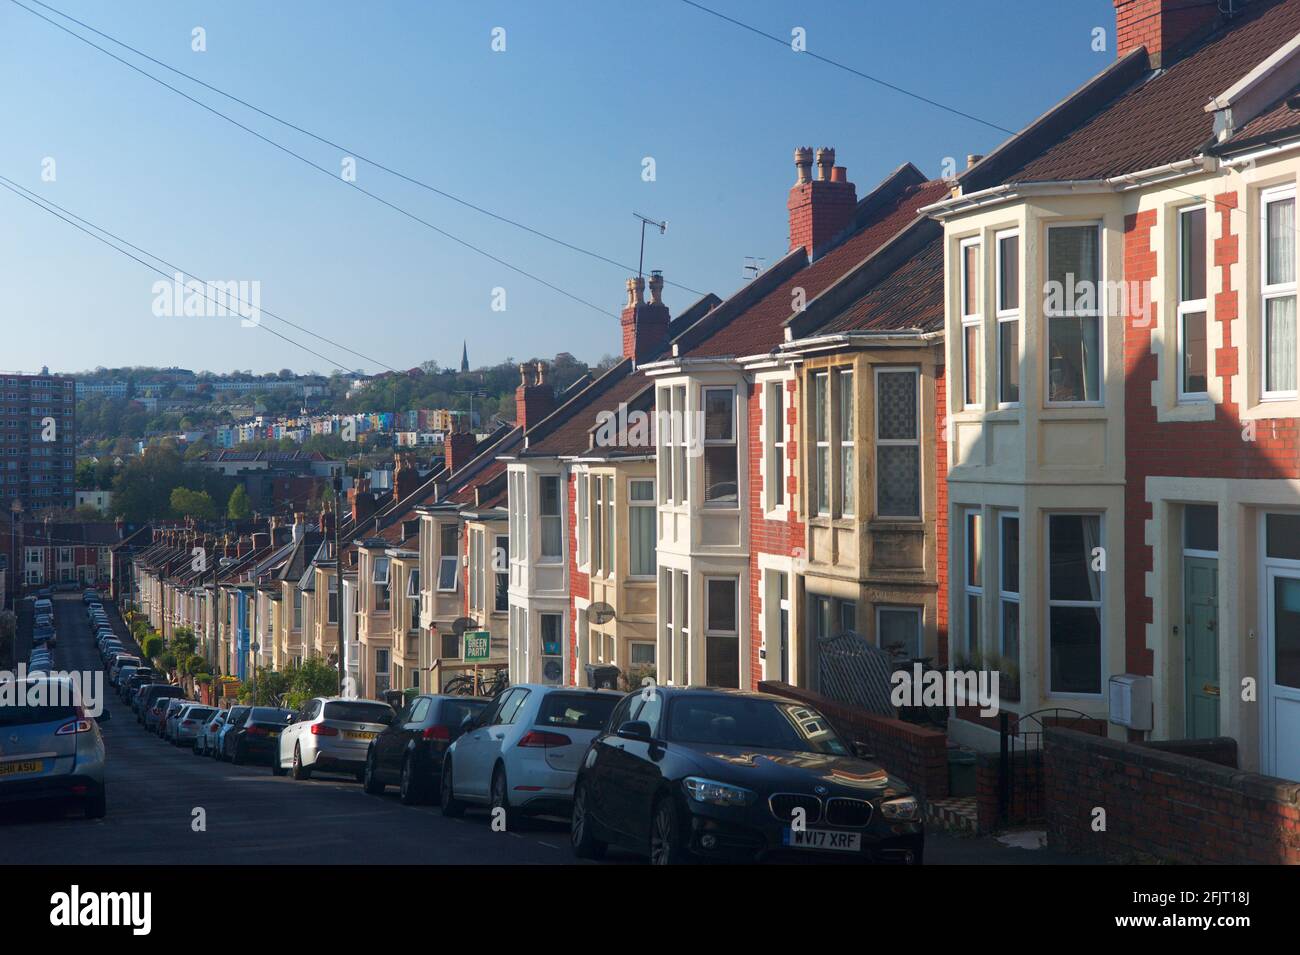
(1020, 770)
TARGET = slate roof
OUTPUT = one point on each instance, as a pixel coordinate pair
(911, 296)
(1161, 119)
(761, 327)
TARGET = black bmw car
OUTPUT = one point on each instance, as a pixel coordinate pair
(692, 774)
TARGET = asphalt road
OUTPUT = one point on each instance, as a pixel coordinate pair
(155, 792)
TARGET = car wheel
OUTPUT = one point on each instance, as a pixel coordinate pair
(299, 770)
(585, 844)
(240, 755)
(370, 778)
(412, 789)
(276, 768)
(96, 803)
(451, 806)
(666, 846)
(500, 799)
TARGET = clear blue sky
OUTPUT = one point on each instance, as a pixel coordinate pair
(551, 132)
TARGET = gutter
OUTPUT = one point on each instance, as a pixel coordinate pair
(1008, 192)
(892, 338)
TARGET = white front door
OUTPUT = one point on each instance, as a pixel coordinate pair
(1280, 692)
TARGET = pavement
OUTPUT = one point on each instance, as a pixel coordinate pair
(167, 805)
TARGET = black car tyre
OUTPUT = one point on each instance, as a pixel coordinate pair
(96, 803)
(666, 844)
(411, 787)
(585, 844)
(240, 754)
(299, 770)
(370, 780)
(500, 800)
(276, 768)
(451, 806)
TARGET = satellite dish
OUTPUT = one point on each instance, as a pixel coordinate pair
(600, 613)
(461, 624)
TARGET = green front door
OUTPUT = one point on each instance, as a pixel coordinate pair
(1201, 641)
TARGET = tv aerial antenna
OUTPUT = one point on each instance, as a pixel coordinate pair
(645, 221)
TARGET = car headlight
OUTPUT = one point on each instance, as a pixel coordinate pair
(903, 809)
(716, 793)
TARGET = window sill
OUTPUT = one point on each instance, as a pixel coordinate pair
(1186, 411)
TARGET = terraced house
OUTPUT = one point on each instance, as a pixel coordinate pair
(581, 584)
(768, 466)
(1123, 479)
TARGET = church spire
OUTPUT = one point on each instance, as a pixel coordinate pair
(464, 356)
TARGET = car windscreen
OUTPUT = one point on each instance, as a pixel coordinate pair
(268, 714)
(721, 720)
(453, 712)
(357, 712)
(199, 713)
(26, 708)
(579, 711)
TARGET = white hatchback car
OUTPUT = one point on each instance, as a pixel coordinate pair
(523, 755)
(330, 733)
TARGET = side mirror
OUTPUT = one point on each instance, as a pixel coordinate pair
(291, 718)
(862, 750)
(635, 729)
(467, 724)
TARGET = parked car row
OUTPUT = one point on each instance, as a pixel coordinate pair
(675, 773)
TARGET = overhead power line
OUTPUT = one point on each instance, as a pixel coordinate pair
(319, 168)
(70, 219)
(357, 154)
(785, 42)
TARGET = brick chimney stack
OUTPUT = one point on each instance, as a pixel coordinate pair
(821, 208)
(645, 324)
(405, 477)
(534, 398)
(1162, 26)
(361, 501)
(459, 448)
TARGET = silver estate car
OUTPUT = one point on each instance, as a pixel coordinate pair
(330, 734)
(189, 723)
(50, 749)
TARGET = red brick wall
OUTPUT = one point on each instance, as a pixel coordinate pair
(579, 583)
(1164, 805)
(785, 538)
(1214, 449)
